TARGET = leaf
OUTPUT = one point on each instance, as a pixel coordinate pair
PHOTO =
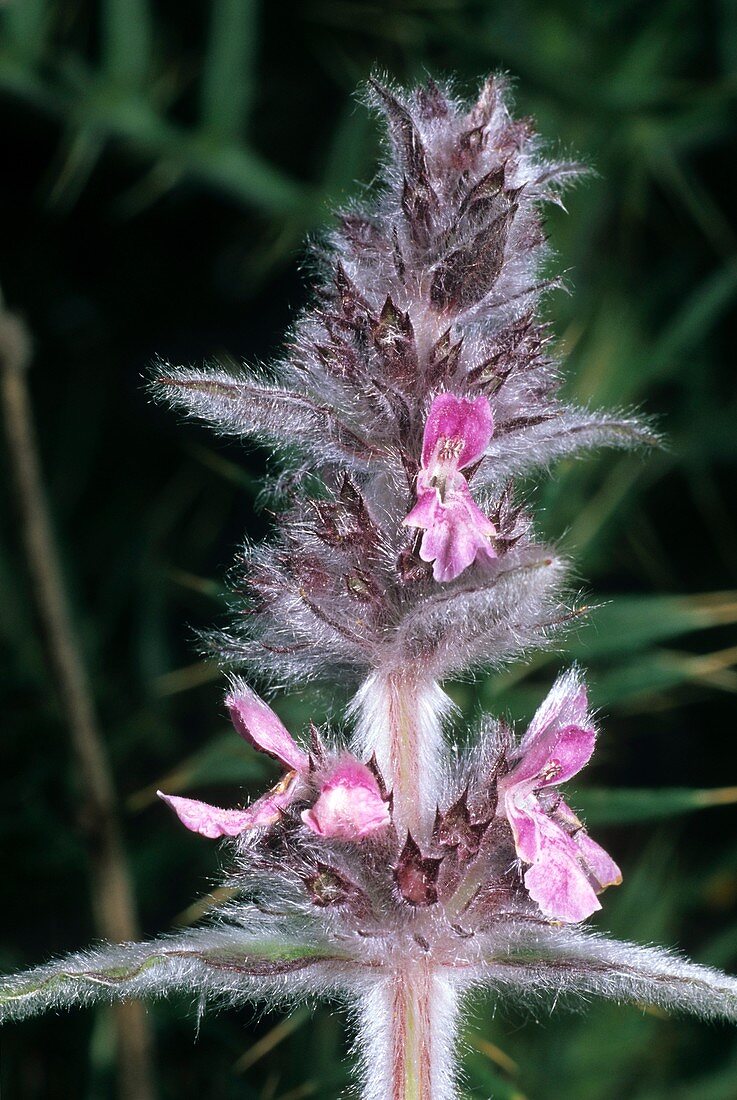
(228, 71)
(567, 962)
(126, 43)
(239, 404)
(225, 759)
(627, 624)
(604, 806)
(213, 961)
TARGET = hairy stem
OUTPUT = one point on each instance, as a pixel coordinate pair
(399, 716)
(412, 1045)
(408, 1033)
(112, 891)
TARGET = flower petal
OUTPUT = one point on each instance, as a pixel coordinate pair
(560, 738)
(213, 822)
(525, 816)
(350, 805)
(598, 864)
(558, 883)
(256, 722)
(556, 756)
(463, 418)
(566, 704)
(459, 533)
(209, 821)
(427, 511)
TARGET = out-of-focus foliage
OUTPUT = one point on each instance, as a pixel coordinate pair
(161, 164)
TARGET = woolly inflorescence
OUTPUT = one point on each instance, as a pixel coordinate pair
(433, 289)
(414, 393)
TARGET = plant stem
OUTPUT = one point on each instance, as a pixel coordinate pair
(399, 716)
(408, 1033)
(111, 887)
(412, 1046)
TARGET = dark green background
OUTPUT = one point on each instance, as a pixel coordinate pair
(161, 164)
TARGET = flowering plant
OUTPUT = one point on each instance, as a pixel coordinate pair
(384, 868)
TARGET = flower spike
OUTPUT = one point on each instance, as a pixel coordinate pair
(402, 884)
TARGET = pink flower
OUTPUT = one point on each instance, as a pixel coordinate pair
(457, 433)
(349, 805)
(567, 869)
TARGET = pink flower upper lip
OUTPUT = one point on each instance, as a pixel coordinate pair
(457, 432)
(567, 869)
(349, 805)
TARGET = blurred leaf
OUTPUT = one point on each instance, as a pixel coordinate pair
(690, 324)
(127, 32)
(628, 624)
(79, 153)
(628, 685)
(27, 23)
(184, 679)
(616, 644)
(272, 1039)
(620, 806)
(352, 152)
(482, 1076)
(228, 73)
(224, 759)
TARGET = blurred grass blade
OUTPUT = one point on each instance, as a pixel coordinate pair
(697, 317)
(621, 636)
(127, 33)
(658, 671)
(203, 905)
(79, 155)
(228, 71)
(224, 759)
(602, 806)
(352, 150)
(494, 1053)
(27, 23)
(486, 1080)
(271, 1039)
(629, 623)
(184, 679)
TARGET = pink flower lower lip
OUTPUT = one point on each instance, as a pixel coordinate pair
(457, 432)
(214, 822)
